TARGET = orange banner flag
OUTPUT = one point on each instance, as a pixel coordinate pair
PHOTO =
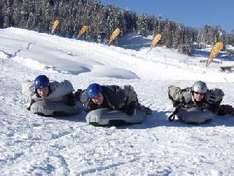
(114, 35)
(155, 40)
(55, 26)
(214, 52)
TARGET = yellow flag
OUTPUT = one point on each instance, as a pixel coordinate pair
(155, 40)
(55, 26)
(114, 35)
(82, 31)
(214, 52)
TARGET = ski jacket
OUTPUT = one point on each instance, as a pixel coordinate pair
(183, 98)
(115, 98)
(58, 92)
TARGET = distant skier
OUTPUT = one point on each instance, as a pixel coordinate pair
(197, 104)
(112, 105)
(50, 98)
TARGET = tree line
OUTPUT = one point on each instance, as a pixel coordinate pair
(102, 20)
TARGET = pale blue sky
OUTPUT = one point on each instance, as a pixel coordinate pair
(194, 13)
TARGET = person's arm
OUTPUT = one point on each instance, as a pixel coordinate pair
(214, 98)
(175, 95)
(131, 100)
(115, 97)
(59, 89)
(29, 91)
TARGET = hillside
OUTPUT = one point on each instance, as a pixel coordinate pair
(34, 145)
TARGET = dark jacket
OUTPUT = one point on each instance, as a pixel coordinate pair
(115, 98)
(183, 98)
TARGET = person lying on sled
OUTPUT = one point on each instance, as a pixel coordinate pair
(112, 105)
(197, 104)
(50, 98)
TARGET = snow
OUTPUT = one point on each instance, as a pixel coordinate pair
(34, 145)
(230, 47)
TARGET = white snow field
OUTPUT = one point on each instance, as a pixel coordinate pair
(34, 145)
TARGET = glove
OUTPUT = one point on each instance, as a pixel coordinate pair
(211, 99)
(214, 96)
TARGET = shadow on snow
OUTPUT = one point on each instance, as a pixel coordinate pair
(158, 119)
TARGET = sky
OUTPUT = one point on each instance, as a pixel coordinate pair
(194, 13)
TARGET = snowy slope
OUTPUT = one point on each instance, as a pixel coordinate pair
(34, 145)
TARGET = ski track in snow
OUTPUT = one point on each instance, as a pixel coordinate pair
(34, 145)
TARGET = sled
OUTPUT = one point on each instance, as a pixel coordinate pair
(107, 117)
(227, 68)
(192, 115)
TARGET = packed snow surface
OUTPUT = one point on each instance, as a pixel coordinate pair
(34, 145)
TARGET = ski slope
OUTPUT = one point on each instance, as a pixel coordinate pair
(34, 145)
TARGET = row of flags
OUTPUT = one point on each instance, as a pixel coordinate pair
(84, 29)
(218, 46)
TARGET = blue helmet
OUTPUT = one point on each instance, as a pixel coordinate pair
(41, 81)
(93, 90)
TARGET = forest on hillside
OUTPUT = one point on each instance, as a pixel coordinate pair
(38, 15)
